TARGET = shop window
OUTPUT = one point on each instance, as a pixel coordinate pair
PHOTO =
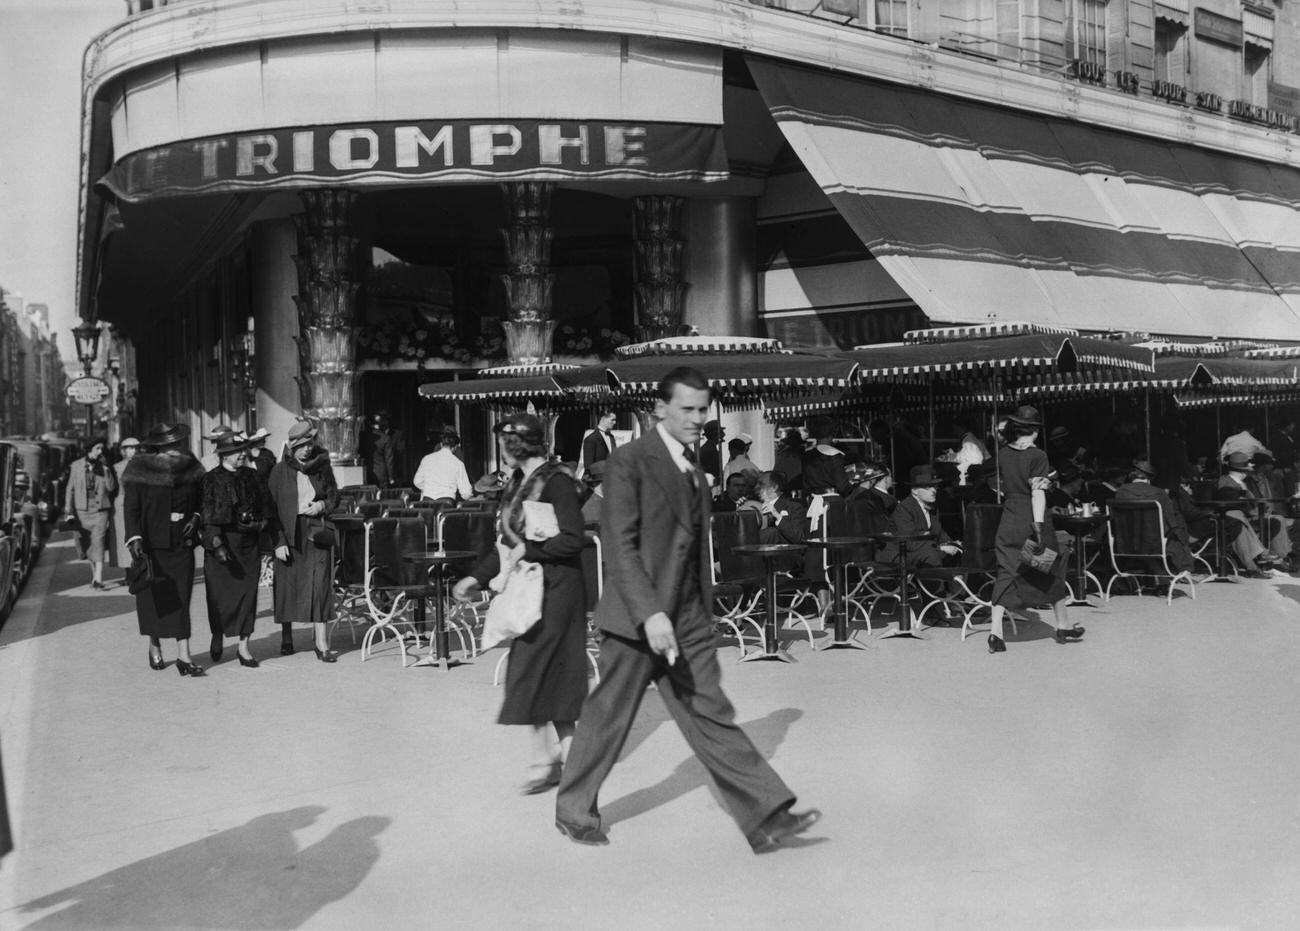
(1170, 51)
(1258, 61)
(1085, 31)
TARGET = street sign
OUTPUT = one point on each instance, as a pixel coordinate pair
(88, 390)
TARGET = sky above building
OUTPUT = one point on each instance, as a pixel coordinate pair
(41, 43)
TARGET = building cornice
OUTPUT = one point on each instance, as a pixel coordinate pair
(180, 29)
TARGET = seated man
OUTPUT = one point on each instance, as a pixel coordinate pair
(1249, 548)
(916, 514)
(784, 519)
(735, 494)
(1178, 543)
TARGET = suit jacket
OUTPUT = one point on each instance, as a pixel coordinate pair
(595, 448)
(77, 495)
(1175, 524)
(792, 528)
(646, 526)
(909, 518)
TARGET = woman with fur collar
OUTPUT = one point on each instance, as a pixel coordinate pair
(304, 490)
(236, 511)
(161, 487)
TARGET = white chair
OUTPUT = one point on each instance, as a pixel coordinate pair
(1137, 537)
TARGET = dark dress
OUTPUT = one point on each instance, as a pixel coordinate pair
(156, 486)
(1019, 587)
(304, 588)
(547, 675)
(823, 472)
(236, 510)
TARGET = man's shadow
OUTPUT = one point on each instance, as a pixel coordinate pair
(252, 876)
(767, 733)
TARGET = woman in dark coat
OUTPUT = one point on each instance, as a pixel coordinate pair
(162, 521)
(304, 490)
(236, 510)
(823, 465)
(1025, 479)
(546, 681)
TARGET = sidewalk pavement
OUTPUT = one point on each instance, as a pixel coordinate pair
(1143, 778)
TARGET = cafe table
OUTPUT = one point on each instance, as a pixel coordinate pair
(837, 549)
(1080, 527)
(436, 563)
(771, 554)
(903, 627)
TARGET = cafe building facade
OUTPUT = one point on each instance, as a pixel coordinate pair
(312, 208)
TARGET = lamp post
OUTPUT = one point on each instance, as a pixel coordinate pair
(114, 366)
(87, 339)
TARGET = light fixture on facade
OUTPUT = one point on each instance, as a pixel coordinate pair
(87, 337)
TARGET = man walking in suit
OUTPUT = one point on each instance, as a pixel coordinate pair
(656, 620)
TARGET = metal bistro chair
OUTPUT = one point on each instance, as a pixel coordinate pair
(474, 531)
(390, 583)
(737, 579)
(1137, 540)
(978, 561)
(361, 492)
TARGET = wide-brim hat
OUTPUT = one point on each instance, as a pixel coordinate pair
(1237, 461)
(259, 435)
(1260, 458)
(301, 433)
(1027, 416)
(219, 431)
(493, 481)
(232, 443)
(528, 427)
(923, 475)
(1144, 466)
(167, 434)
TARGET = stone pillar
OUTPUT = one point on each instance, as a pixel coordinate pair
(658, 245)
(328, 281)
(275, 328)
(529, 281)
(722, 267)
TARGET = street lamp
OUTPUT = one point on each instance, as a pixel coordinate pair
(87, 337)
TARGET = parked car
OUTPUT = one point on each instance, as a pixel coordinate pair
(63, 451)
(39, 461)
(15, 542)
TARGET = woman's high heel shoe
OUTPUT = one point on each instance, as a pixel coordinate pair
(996, 645)
(156, 662)
(189, 669)
(1066, 634)
(326, 656)
(249, 662)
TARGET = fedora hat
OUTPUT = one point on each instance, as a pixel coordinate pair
(232, 443)
(492, 481)
(219, 431)
(1144, 466)
(528, 427)
(923, 475)
(167, 434)
(1059, 432)
(1027, 416)
(301, 433)
(1238, 460)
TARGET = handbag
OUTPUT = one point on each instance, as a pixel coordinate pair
(141, 574)
(517, 606)
(1037, 556)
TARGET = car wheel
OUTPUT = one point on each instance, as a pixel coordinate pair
(8, 586)
(22, 556)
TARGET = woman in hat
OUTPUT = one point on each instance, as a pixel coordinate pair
(823, 465)
(304, 490)
(88, 500)
(547, 677)
(1025, 475)
(161, 515)
(127, 448)
(236, 509)
(259, 457)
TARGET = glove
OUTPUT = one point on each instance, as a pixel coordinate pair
(190, 531)
(136, 549)
(222, 554)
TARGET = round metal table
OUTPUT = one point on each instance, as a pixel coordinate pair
(770, 552)
(836, 548)
(1081, 528)
(903, 628)
(436, 561)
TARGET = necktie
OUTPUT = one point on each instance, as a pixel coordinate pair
(609, 440)
(691, 462)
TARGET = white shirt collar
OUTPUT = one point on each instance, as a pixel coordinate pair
(676, 448)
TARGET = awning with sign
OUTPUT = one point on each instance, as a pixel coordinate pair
(982, 213)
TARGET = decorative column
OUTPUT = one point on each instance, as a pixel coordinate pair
(328, 281)
(529, 280)
(658, 245)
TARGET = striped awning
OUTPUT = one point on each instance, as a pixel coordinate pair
(1013, 356)
(770, 374)
(982, 213)
(524, 388)
(1214, 374)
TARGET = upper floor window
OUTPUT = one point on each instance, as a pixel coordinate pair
(890, 17)
(1085, 31)
(1255, 87)
(1170, 51)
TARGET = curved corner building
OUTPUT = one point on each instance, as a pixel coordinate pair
(296, 206)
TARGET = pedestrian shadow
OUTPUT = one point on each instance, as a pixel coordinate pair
(767, 733)
(1289, 591)
(250, 877)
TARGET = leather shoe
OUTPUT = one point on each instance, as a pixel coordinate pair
(582, 834)
(539, 784)
(997, 644)
(286, 648)
(1066, 634)
(779, 826)
(215, 650)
